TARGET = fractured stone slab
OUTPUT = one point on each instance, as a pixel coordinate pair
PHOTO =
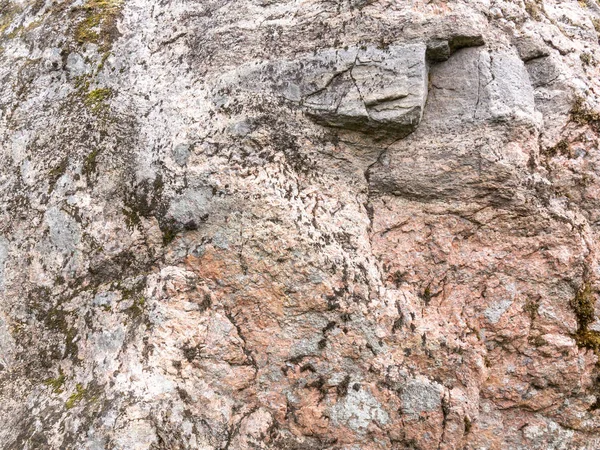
(381, 90)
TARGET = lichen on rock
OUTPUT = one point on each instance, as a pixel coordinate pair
(299, 225)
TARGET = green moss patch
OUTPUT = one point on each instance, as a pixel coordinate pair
(76, 396)
(584, 115)
(56, 383)
(99, 23)
(562, 148)
(137, 308)
(583, 305)
(138, 301)
(587, 59)
(89, 163)
(96, 99)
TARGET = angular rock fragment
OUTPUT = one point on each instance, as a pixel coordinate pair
(382, 90)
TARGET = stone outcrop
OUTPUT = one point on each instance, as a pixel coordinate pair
(367, 89)
(268, 224)
(375, 90)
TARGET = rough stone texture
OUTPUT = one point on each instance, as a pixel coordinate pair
(378, 90)
(268, 224)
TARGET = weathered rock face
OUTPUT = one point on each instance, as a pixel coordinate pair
(299, 225)
(379, 91)
(376, 90)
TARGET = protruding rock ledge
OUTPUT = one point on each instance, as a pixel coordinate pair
(370, 89)
(381, 90)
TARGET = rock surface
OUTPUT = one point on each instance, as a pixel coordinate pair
(269, 224)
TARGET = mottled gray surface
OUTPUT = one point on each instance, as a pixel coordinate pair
(271, 224)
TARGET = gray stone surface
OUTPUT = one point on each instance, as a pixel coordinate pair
(381, 90)
(358, 409)
(420, 396)
(276, 224)
(369, 89)
(478, 100)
